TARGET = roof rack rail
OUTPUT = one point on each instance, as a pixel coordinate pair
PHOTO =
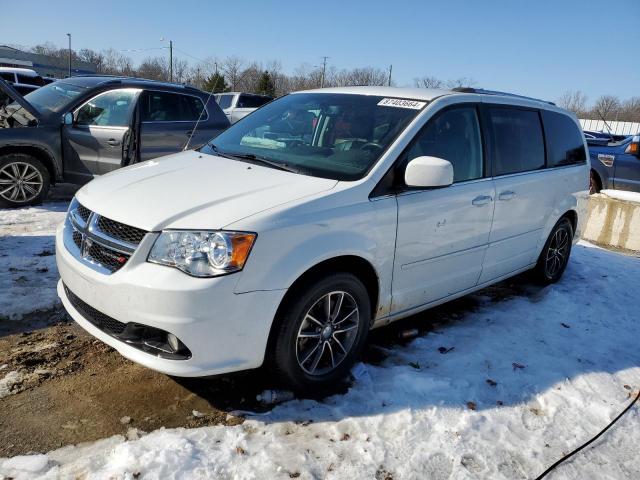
(119, 78)
(496, 92)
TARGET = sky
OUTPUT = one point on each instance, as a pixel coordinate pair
(539, 48)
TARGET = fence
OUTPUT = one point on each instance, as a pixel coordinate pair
(616, 128)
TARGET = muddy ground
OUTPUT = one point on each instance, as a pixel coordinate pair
(73, 388)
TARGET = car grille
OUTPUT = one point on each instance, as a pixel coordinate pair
(121, 231)
(102, 242)
(103, 322)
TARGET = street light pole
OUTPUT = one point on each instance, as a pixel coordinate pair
(69, 35)
(170, 60)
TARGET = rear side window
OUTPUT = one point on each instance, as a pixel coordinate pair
(9, 77)
(30, 80)
(225, 101)
(518, 144)
(453, 135)
(170, 107)
(252, 101)
(564, 140)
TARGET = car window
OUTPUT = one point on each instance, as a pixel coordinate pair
(109, 109)
(338, 136)
(170, 107)
(564, 140)
(225, 101)
(518, 144)
(251, 101)
(452, 135)
(30, 79)
(192, 108)
(8, 76)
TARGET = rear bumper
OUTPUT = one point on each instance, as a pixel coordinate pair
(224, 331)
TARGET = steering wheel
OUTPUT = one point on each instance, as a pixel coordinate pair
(371, 146)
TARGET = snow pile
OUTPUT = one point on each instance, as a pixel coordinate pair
(28, 272)
(501, 393)
(9, 381)
(622, 195)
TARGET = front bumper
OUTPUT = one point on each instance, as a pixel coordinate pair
(224, 331)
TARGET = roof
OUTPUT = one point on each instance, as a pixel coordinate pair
(90, 81)
(426, 94)
(25, 71)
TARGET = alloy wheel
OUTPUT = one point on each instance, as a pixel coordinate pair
(20, 182)
(557, 252)
(327, 333)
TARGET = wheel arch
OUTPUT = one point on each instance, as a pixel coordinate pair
(356, 265)
(597, 177)
(572, 215)
(41, 154)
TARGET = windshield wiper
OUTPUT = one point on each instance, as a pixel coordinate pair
(254, 158)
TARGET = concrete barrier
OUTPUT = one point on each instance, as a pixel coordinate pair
(613, 222)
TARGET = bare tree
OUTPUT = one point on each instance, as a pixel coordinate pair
(361, 76)
(232, 67)
(607, 107)
(630, 111)
(428, 82)
(115, 63)
(462, 82)
(575, 102)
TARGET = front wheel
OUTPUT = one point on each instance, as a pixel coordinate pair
(24, 180)
(321, 332)
(555, 255)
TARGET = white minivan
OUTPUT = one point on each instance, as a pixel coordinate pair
(322, 215)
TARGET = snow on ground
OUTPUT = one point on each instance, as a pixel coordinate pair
(28, 272)
(527, 379)
(622, 195)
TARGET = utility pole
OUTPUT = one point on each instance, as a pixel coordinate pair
(390, 70)
(69, 35)
(170, 60)
(324, 70)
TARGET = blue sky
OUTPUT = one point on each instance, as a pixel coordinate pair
(540, 48)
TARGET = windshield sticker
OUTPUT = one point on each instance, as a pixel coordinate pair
(401, 103)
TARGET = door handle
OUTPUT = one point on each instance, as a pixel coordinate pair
(481, 200)
(507, 195)
(113, 142)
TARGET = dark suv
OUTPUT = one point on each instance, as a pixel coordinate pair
(74, 129)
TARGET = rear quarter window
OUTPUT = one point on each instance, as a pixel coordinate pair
(565, 145)
(518, 142)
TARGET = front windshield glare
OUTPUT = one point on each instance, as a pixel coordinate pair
(54, 96)
(338, 136)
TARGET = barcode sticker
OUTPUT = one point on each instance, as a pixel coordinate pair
(401, 103)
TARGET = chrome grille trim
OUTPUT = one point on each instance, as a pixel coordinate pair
(87, 242)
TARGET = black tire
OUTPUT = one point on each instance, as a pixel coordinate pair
(595, 184)
(548, 270)
(289, 349)
(31, 184)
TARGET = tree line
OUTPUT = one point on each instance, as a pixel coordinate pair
(234, 73)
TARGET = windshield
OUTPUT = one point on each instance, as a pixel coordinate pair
(54, 97)
(338, 136)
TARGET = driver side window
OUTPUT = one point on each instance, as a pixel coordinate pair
(109, 109)
(452, 135)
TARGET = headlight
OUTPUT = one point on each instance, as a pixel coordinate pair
(202, 253)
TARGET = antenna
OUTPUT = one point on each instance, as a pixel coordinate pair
(606, 125)
(195, 127)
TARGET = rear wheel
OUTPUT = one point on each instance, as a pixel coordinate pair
(555, 255)
(24, 180)
(321, 332)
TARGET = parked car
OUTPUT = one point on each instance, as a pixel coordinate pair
(320, 216)
(75, 129)
(237, 105)
(23, 80)
(615, 164)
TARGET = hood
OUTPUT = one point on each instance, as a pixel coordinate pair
(192, 190)
(6, 90)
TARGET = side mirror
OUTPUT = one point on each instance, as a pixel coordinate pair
(634, 147)
(67, 118)
(428, 172)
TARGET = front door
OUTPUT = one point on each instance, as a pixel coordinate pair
(93, 143)
(627, 171)
(443, 233)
